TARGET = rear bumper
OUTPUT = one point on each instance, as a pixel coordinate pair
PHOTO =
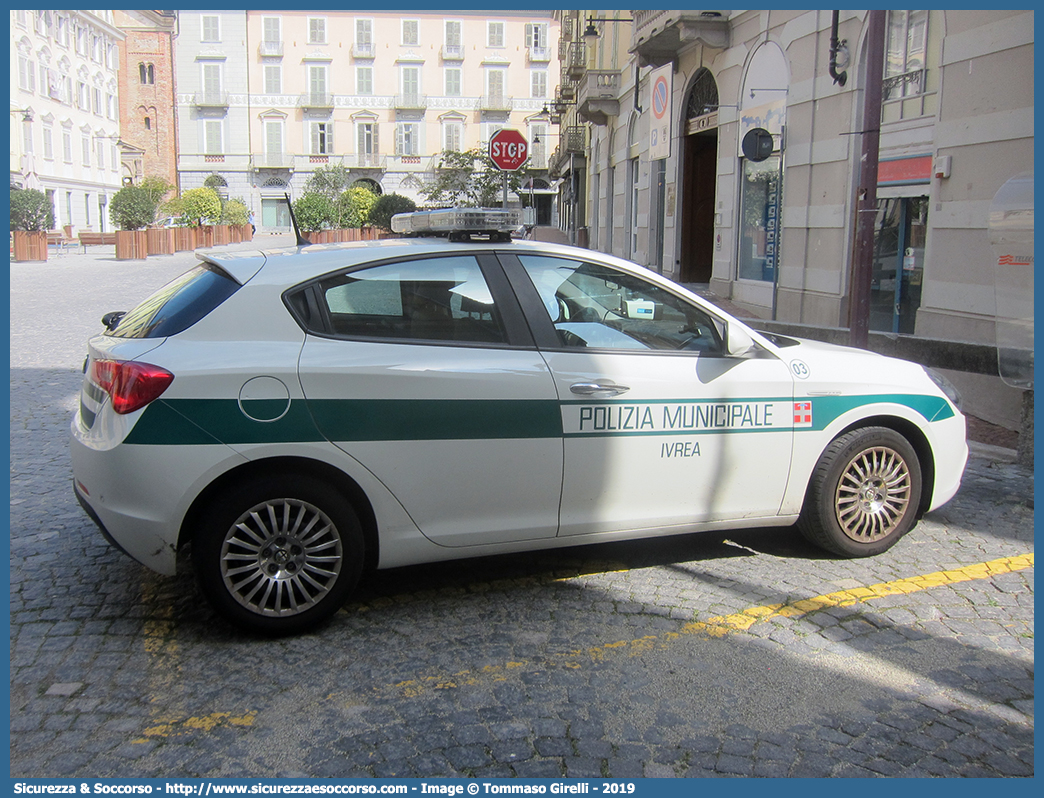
(98, 522)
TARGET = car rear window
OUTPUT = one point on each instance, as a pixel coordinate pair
(178, 305)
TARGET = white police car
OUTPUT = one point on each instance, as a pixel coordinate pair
(298, 415)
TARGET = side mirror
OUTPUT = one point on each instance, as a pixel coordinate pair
(737, 341)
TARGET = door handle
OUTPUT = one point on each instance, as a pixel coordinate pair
(595, 388)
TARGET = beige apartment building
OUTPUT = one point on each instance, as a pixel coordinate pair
(655, 104)
(266, 97)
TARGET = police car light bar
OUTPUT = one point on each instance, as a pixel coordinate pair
(456, 221)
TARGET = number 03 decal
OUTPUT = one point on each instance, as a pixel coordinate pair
(800, 369)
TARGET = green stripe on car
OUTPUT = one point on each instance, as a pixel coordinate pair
(189, 422)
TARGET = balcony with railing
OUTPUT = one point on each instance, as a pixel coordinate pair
(210, 99)
(204, 161)
(411, 101)
(272, 160)
(658, 36)
(319, 100)
(571, 151)
(598, 96)
(365, 160)
(452, 52)
(538, 55)
(268, 48)
(363, 50)
(495, 102)
(576, 60)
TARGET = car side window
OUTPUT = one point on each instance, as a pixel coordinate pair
(599, 307)
(431, 299)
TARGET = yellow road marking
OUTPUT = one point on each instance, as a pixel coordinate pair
(157, 640)
(722, 625)
(204, 723)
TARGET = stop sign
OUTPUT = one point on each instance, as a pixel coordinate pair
(508, 149)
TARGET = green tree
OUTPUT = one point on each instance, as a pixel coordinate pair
(330, 181)
(176, 208)
(387, 206)
(354, 206)
(234, 211)
(30, 210)
(200, 206)
(470, 179)
(313, 212)
(156, 188)
(132, 208)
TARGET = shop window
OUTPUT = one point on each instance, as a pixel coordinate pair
(759, 219)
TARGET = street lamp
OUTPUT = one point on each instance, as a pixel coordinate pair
(27, 115)
(591, 32)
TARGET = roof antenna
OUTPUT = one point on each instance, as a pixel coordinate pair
(301, 240)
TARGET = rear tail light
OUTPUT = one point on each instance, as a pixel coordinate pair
(130, 385)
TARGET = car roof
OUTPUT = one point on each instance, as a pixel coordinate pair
(291, 265)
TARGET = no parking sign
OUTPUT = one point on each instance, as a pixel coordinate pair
(660, 90)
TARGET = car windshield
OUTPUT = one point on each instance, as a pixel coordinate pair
(178, 305)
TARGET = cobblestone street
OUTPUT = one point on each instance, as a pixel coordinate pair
(747, 653)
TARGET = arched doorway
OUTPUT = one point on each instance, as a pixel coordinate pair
(699, 181)
(368, 183)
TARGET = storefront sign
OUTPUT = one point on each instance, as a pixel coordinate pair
(770, 116)
(906, 171)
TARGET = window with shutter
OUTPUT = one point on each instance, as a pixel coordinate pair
(364, 33)
(453, 33)
(273, 79)
(453, 82)
(316, 30)
(274, 137)
(212, 132)
(539, 83)
(495, 34)
(271, 30)
(317, 82)
(322, 138)
(406, 139)
(210, 29)
(411, 85)
(495, 82)
(453, 136)
(411, 31)
(212, 82)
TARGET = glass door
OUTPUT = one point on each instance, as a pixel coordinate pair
(898, 269)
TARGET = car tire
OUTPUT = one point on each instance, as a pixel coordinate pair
(278, 554)
(864, 493)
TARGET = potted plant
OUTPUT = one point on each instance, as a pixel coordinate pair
(314, 213)
(160, 235)
(131, 211)
(234, 214)
(201, 209)
(31, 217)
(353, 211)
